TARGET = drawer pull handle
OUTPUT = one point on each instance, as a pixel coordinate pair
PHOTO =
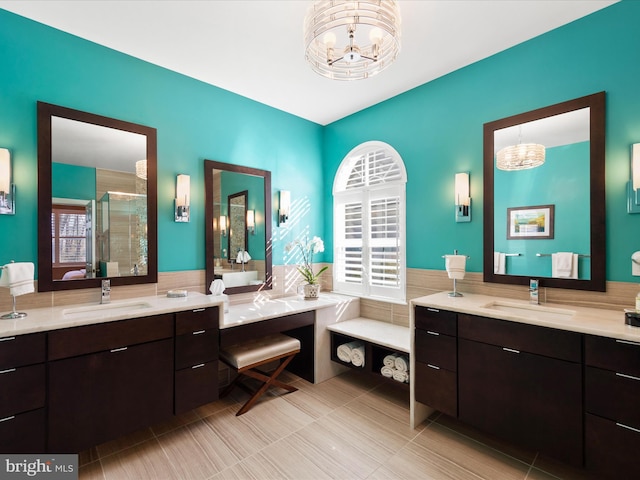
(9, 370)
(198, 332)
(7, 339)
(121, 349)
(429, 309)
(198, 366)
(433, 333)
(628, 427)
(6, 419)
(435, 367)
(627, 342)
(199, 310)
(618, 374)
(510, 350)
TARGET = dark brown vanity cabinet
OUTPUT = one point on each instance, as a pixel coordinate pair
(612, 404)
(196, 362)
(109, 379)
(22, 393)
(436, 359)
(522, 383)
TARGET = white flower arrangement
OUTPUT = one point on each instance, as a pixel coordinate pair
(308, 248)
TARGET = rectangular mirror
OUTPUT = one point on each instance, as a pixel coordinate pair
(96, 200)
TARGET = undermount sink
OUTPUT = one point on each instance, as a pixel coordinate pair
(530, 310)
(106, 309)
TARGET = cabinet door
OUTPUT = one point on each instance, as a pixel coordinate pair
(99, 397)
(532, 400)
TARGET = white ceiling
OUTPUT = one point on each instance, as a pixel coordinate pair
(254, 47)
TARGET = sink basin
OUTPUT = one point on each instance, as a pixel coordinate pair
(531, 311)
(105, 309)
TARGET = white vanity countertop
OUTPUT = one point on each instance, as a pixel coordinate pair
(245, 313)
(595, 321)
(44, 319)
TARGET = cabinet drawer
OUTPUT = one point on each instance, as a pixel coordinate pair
(436, 320)
(611, 395)
(22, 389)
(106, 336)
(23, 433)
(611, 449)
(197, 319)
(549, 342)
(22, 350)
(436, 388)
(436, 349)
(613, 354)
(196, 386)
(200, 346)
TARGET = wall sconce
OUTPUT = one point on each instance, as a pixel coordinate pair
(183, 194)
(462, 198)
(7, 188)
(633, 189)
(223, 225)
(251, 222)
(285, 207)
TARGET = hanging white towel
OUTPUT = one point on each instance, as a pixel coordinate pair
(564, 265)
(18, 277)
(402, 363)
(357, 355)
(243, 257)
(390, 361)
(387, 371)
(455, 265)
(499, 263)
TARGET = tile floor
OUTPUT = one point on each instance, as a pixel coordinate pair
(349, 427)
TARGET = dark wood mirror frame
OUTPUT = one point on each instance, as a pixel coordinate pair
(596, 103)
(45, 271)
(209, 167)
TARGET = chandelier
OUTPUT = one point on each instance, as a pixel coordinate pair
(351, 40)
(520, 157)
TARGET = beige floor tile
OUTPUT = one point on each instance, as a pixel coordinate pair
(125, 442)
(88, 456)
(144, 461)
(91, 471)
(383, 414)
(176, 422)
(556, 469)
(308, 402)
(255, 467)
(187, 457)
(385, 403)
(288, 457)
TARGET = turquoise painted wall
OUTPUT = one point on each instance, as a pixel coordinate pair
(73, 181)
(195, 121)
(437, 129)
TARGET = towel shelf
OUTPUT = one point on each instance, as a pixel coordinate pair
(549, 254)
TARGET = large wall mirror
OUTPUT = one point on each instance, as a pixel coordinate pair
(237, 226)
(96, 200)
(544, 196)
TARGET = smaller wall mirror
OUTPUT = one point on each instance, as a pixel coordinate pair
(237, 227)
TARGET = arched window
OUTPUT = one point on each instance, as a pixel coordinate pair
(369, 223)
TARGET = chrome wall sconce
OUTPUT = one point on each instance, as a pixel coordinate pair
(633, 188)
(285, 207)
(462, 197)
(251, 222)
(7, 188)
(183, 198)
(223, 225)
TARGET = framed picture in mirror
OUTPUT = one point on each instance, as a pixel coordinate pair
(530, 222)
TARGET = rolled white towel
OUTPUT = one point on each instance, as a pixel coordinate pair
(387, 371)
(389, 361)
(357, 355)
(399, 376)
(344, 351)
(402, 363)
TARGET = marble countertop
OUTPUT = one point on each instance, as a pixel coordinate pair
(44, 319)
(607, 323)
(394, 337)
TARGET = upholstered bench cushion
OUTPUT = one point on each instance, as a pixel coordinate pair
(254, 351)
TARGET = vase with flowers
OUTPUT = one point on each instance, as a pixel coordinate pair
(307, 249)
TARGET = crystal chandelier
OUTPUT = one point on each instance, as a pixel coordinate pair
(351, 40)
(520, 157)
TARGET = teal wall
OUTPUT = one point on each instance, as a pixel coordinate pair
(73, 181)
(562, 181)
(194, 120)
(437, 129)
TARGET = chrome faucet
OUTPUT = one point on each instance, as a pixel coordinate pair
(106, 291)
(533, 291)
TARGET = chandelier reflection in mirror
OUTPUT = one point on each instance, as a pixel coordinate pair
(351, 40)
(521, 156)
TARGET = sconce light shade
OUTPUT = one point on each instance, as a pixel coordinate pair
(223, 225)
(7, 188)
(462, 197)
(251, 221)
(633, 190)
(141, 169)
(285, 207)
(183, 198)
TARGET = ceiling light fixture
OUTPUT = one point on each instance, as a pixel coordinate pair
(351, 40)
(521, 156)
